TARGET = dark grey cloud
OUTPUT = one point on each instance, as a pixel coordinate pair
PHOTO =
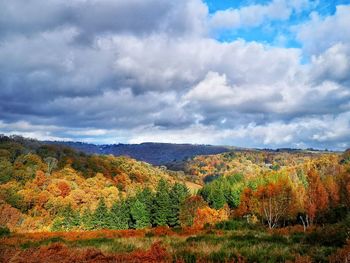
(93, 18)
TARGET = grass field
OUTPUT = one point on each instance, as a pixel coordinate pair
(233, 241)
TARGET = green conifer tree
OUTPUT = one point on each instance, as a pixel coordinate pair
(146, 196)
(217, 198)
(87, 220)
(139, 215)
(161, 205)
(178, 194)
(67, 220)
(119, 216)
(100, 218)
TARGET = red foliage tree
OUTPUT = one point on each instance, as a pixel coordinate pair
(64, 188)
(245, 204)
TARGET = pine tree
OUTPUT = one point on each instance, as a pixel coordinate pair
(161, 205)
(178, 194)
(139, 214)
(67, 220)
(119, 216)
(101, 216)
(87, 220)
(146, 196)
(217, 198)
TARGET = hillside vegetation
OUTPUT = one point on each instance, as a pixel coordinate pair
(253, 206)
(39, 183)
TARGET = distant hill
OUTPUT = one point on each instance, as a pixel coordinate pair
(153, 153)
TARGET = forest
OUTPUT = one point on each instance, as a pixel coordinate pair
(63, 205)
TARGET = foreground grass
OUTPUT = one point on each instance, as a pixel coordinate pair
(226, 243)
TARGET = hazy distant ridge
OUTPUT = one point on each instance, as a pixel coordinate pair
(154, 153)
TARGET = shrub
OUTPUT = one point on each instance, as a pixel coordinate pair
(236, 225)
(341, 255)
(4, 231)
(330, 236)
(186, 257)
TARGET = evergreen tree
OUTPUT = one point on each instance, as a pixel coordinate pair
(146, 196)
(67, 220)
(139, 215)
(217, 198)
(178, 194)
(87, 220)
(100, 218)
(161, 205)
(119, 216)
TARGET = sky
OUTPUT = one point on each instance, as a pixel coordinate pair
(267, 74)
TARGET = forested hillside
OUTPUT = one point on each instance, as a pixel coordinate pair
(294, 204)
(39, 183)
(279, 188)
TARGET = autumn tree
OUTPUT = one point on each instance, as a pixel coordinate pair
(26, 166)
(39, 179)
(344, 184)
(189, 208)
(51, 164)
(316, 199)
(273, 201)
(245, 205)
(64, 188)
(207, 215)
(6, 170)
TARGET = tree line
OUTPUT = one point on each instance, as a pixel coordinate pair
(164, 207)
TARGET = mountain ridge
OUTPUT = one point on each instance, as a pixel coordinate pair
(151, 152)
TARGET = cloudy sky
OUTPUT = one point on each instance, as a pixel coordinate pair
(246, 73)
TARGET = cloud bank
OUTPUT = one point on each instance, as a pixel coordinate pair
(131, 71)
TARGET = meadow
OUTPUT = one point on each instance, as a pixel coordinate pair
(229, 241)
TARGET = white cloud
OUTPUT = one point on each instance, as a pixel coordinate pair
(253, 15)
(333, 64)
(326, 130)
(320, 33)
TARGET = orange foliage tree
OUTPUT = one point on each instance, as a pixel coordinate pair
(274, 201)
(316, 198)
(245, 203)
(207, 215)
(345, 186)
(9, 216)
(64, 188)
(40, 178)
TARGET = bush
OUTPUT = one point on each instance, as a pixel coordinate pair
(235, 225)
(4, 231)
(334, 236)
(186, 257)
(220, 256)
